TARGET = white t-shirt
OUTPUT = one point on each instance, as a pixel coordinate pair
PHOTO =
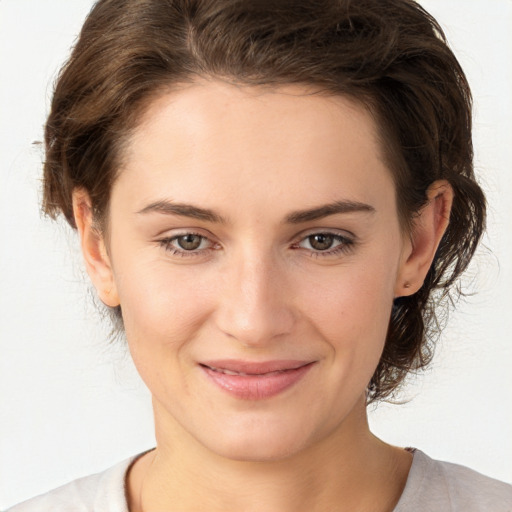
(432, 486)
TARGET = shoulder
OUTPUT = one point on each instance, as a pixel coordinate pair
(103, 491)
(434, 485)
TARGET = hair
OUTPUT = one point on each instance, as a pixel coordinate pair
(389, 55)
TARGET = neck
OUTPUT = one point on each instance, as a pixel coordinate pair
(348, 470)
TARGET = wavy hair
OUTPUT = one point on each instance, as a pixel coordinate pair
(390, 55)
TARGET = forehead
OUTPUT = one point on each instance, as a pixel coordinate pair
(291, 143)
(196, 107)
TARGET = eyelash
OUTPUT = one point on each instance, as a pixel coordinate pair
(346, 244)
(166, 243)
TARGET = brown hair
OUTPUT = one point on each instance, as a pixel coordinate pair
(390, 55)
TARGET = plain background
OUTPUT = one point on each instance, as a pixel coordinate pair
(71, 403)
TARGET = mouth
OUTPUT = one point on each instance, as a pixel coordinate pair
(254, 380)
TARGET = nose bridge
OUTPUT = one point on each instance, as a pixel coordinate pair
(255, 307)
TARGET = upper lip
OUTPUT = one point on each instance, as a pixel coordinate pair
(253, 367)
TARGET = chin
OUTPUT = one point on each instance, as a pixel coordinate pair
(257, 450)
(258, 441)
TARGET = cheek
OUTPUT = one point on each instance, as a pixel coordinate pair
(163, 313)
(351, 312)
(161, 307)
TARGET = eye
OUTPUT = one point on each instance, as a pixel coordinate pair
(325, 244)
(187, 244)
(321, 241)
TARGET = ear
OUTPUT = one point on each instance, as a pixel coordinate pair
(97, 260)
(428, 229)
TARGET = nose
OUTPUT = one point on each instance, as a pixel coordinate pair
(255, 304)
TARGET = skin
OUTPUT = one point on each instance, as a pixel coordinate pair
(257, 289)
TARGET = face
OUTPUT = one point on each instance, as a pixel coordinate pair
(255, 250)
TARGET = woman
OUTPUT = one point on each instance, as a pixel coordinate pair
(270, 199)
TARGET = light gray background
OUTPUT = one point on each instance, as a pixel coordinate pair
(71, 404)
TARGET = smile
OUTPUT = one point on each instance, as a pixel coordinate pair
(231, 372)
(255, 381)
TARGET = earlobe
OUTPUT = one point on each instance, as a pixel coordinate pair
(97, 260)
(428, 229)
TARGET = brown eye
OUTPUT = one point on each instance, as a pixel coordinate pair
(188, 245)
(321, 241)
(189, 242)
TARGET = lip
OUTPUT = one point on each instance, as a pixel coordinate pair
(250, 380)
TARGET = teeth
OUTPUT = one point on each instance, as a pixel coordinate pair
(229, 372)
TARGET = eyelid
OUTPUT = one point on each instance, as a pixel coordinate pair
(347, 242)
(170, 232)
(166, 243)
(325, 231)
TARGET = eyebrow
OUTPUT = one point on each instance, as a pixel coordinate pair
(183, 210)
(329, 209)
(297, 217)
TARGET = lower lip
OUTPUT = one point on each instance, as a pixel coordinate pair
(257, 387)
